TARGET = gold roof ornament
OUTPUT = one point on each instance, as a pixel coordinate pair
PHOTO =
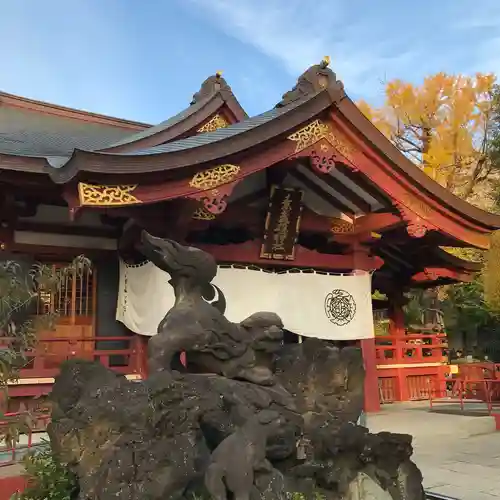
(218, 74)
(325, 62)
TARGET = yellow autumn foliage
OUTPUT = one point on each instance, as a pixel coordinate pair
(491, 273)
(442, 125)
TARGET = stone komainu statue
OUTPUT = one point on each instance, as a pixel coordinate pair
(229, 427)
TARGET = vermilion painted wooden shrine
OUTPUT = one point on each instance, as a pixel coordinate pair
(72, 181)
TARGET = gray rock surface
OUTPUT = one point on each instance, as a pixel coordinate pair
(250, 418)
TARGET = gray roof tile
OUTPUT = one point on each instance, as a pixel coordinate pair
(211, 137)
(161, 126)
(31, 133)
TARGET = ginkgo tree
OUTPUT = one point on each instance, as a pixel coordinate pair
(445, 125)
(449, 125)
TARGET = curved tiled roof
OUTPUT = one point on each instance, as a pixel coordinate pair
(197, 149)
(212, 137)
(31, 133)
(34, 130)
(161, 126)
(306, 101)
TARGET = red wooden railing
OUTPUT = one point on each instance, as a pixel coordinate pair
(478, 371)
(408, 364)
(387, 389)
(45, 359)
(463, 392)
(12, 453)
(411, 348)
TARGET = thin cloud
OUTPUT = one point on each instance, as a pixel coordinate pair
(283, 33)
(298, 37)
(488, 58)
(485, 14)
(130, 59)
(366, 47)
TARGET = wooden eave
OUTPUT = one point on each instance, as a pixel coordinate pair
(25, 164)
(261, 142)
(380, 145)
(453, 262)
(222, 104)
(422, 264)
(106, 166)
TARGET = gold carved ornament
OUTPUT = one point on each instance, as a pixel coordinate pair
(341, 226)
(214, 177)
(104, 195)
(317, 130)
(215, 123)
(203, 214)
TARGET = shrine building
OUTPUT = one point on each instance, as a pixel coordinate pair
(311, 184)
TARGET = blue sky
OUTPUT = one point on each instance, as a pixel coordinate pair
(143, 60)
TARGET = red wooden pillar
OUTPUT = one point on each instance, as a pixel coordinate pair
(397, 331)
(140, 343)
(371, 388)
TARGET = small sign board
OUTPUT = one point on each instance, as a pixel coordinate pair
(282, 224)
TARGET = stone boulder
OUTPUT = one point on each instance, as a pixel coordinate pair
(250, 417)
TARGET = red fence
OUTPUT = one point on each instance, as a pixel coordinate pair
(121, 354)
(30, 426)
(411, 348)
(478, 371)
(462, 392)
(409, 364)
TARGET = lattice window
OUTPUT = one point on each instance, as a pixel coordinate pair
(74, 296)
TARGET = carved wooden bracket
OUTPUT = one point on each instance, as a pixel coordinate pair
(322, 159)
(214, 186)
(215, 123)
(214, 200)
(107, 195)
(324, 144)
(417, 226)
(341, 226)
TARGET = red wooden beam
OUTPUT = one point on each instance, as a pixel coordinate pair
(238, 214)
(434, 273)
(421, 211)
(248, 253)
(60, 252)
(72, 229)
(376, 222)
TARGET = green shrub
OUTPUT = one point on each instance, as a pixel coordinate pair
(48, 478)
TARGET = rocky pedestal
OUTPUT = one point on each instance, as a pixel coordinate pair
(250, 418)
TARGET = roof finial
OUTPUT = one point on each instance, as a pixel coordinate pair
(316, 78)
(213, 84)
(325, 62)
